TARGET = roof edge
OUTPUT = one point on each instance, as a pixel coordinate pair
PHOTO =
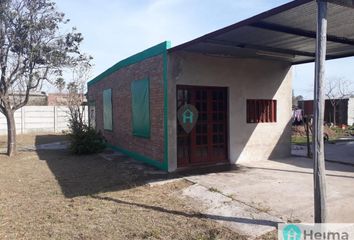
(148, 53)
(242, 23)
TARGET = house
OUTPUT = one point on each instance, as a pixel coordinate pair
(344, 110)
(34, 98)
(238, 78)
(62, 99)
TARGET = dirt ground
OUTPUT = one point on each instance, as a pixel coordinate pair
(55, 195)
(28, 139)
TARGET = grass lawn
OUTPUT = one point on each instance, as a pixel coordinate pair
(55, 195)
(300, 140)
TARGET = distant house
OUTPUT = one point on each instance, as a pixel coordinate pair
(62, 99)
(344, 110)
(35, 98)
(44, 99)
(57, 99)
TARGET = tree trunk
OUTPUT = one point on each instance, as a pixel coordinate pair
(11, 133)
(334, 115)
(309, 152)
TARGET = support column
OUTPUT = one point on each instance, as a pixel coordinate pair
(319, 104)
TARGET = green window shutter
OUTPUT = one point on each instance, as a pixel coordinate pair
(141, 108)
(107, 109)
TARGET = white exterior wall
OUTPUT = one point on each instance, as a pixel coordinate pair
(39, 119)
(351, 111)
(245, 79)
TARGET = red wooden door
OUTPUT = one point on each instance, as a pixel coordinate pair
(207, 143)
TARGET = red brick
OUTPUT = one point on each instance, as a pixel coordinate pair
(120, 83)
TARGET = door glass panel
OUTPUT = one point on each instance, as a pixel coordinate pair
(207, 141)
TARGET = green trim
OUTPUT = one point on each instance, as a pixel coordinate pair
(148, 53)
(165, 90)
(138, 157)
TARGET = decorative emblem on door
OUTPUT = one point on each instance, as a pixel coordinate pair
(187, 117)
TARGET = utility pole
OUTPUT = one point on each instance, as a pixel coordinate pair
(319, 103)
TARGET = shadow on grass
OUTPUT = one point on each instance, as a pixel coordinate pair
(191, 215)
(90, 174)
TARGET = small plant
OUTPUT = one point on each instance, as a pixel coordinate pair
(84, 139)
(214, 190)
(152, 234)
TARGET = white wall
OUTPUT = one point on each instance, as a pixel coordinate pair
(39, 119)
(351, 111)
(245, 79)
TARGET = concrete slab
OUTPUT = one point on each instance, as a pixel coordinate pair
(160, 182)
(284, 188)
(48, 146)
(341, 151)
(233, 214)
(53, 146)
(112, 155)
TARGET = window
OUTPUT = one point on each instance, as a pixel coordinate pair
(107, 109)
(92, 113)
(261, 111)
(141, 108)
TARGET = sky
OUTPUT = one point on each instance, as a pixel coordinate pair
(116, 29)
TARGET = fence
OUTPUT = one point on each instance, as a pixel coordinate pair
(39, 119)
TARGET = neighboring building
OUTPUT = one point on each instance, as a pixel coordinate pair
(344, 110)
(238, 78)
(57, 99)
(43, 99)
(62, 99)
(34, 99)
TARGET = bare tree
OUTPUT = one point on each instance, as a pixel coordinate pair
(336, 90)
(76, 92)
(33, 49)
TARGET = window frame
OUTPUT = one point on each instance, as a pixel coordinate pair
(92, 122)
(261, 110)
(143, 131)
(105, 127)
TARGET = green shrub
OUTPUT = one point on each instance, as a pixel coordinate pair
(84, 139)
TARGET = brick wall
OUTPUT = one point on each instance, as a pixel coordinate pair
(120, 83)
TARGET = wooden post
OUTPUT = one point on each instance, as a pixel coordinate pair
(307, 128)
(319, 103)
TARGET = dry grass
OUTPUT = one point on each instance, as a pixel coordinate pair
(54, 195)
(30, 140)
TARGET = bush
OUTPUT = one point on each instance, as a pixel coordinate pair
(84, 139)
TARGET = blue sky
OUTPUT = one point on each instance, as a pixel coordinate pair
(116, 29)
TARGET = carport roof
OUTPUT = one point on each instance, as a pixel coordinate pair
(286, 33)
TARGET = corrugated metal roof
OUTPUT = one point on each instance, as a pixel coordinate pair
(286, 33)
